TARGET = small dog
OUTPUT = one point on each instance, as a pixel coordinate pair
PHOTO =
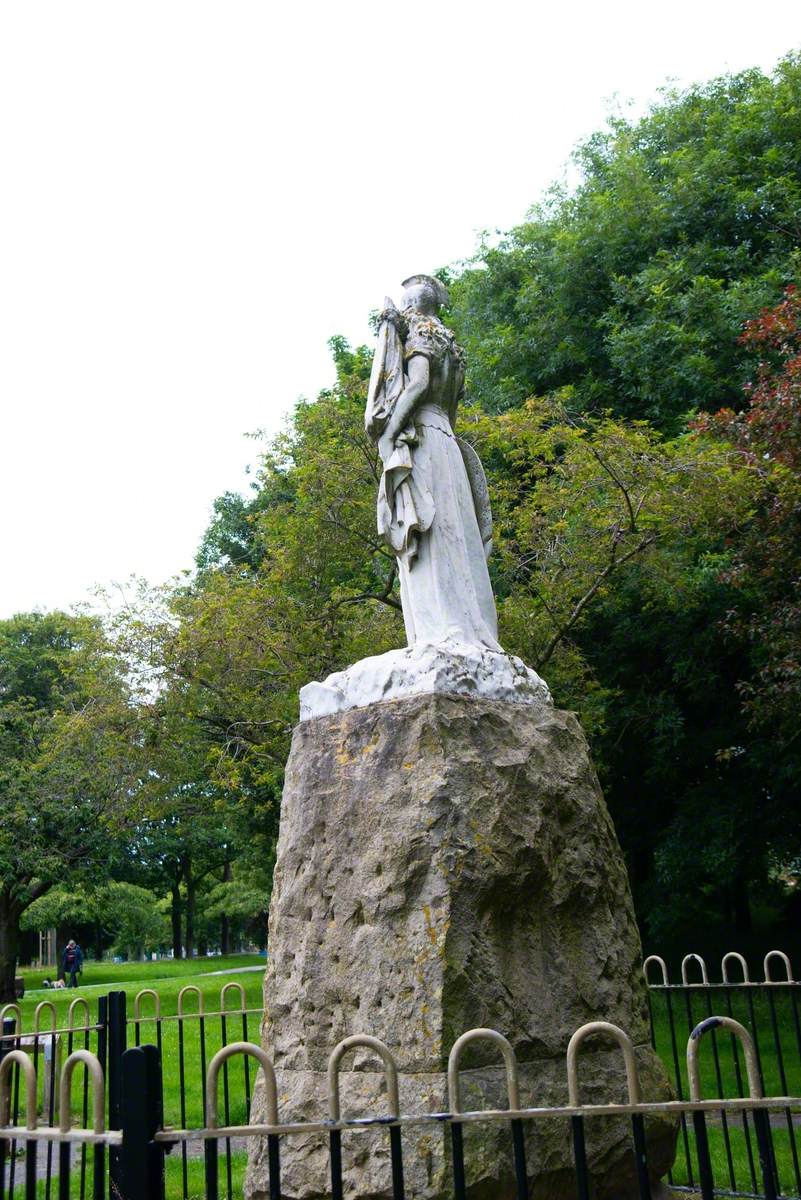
(53, 983)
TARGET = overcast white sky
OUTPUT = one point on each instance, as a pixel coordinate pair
(196, 196)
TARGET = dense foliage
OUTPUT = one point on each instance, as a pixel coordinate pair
(69, 757)
(633, 287)
(634, 358)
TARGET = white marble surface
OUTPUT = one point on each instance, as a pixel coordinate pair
(450, 667)
(433, 502)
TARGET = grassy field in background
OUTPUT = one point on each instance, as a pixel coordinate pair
(773, 1017)
(110, 975)
(778, 1046)
(173, 1177)
(201, 1036)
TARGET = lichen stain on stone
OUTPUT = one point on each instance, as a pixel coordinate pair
(482, 842)
(430, 930)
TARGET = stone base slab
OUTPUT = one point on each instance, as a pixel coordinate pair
(447, 668)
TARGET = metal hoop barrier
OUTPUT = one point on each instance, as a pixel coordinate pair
(190, 987)
(95, 1073)
(623, 1040)
(390, 1071)
(693, 958)
(766, 967)
(634, 1094)
(270, 1085)
(654, 958)
(98, 1091)
(28, 1068)
(138, 1005)
(455, 1105)
(37, 1013)
(242, 997)
(739, 958)
(740, 1032)
(5, 1010)
(510, 1062)
(754, 1090)
(271, 1106)
(22, 1060)
(71, 1026)
(760, 1116)
(366, 1042)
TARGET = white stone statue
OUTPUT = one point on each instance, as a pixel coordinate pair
(433, 505)
(434, 512)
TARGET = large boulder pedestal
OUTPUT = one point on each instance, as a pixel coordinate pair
(448, 862)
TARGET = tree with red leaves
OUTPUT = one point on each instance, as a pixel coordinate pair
(768, 563)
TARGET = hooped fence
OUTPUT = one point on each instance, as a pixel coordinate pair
(85, 1112)
(769, 1009)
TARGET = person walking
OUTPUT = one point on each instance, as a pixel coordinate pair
(72, 962)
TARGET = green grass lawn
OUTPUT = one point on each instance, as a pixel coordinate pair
(779, 1049)
(110, 975)
(201, 1037)
(173, 1177)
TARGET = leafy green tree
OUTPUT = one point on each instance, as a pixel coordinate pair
(642, 562)
(68, 762)
(633, 287)
(133, 916)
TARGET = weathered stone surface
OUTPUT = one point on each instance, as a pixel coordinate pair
(448, 667)
(446, 863)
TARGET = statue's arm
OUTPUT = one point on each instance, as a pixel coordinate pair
(418, 378)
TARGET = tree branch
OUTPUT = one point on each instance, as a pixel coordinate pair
(578, 609)
(384, 597)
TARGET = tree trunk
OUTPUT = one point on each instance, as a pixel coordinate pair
(10, 914)
(175, 917)
(742, 907)
(189, 941)
(225, 924)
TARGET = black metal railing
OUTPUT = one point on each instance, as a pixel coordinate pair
(185, 1040)
(736, 1144)
(142, 1142)
(769, 1010)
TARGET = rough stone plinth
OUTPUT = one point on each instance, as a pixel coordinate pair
(446, 863)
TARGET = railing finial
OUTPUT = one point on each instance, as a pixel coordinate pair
(766, 967)
(509, 1058)
(390, 1071)
(739, 1031)
(98, 1091)
(654, 958)
(270, 1085)
(626, 1045)
(693, 958)
(724, 972)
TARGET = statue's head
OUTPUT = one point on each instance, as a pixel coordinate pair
(424, 294)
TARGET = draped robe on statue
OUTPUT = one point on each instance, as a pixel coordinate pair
(433, 507)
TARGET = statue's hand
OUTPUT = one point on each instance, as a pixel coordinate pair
(390, 313)
(386, 445)
(371, 426)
